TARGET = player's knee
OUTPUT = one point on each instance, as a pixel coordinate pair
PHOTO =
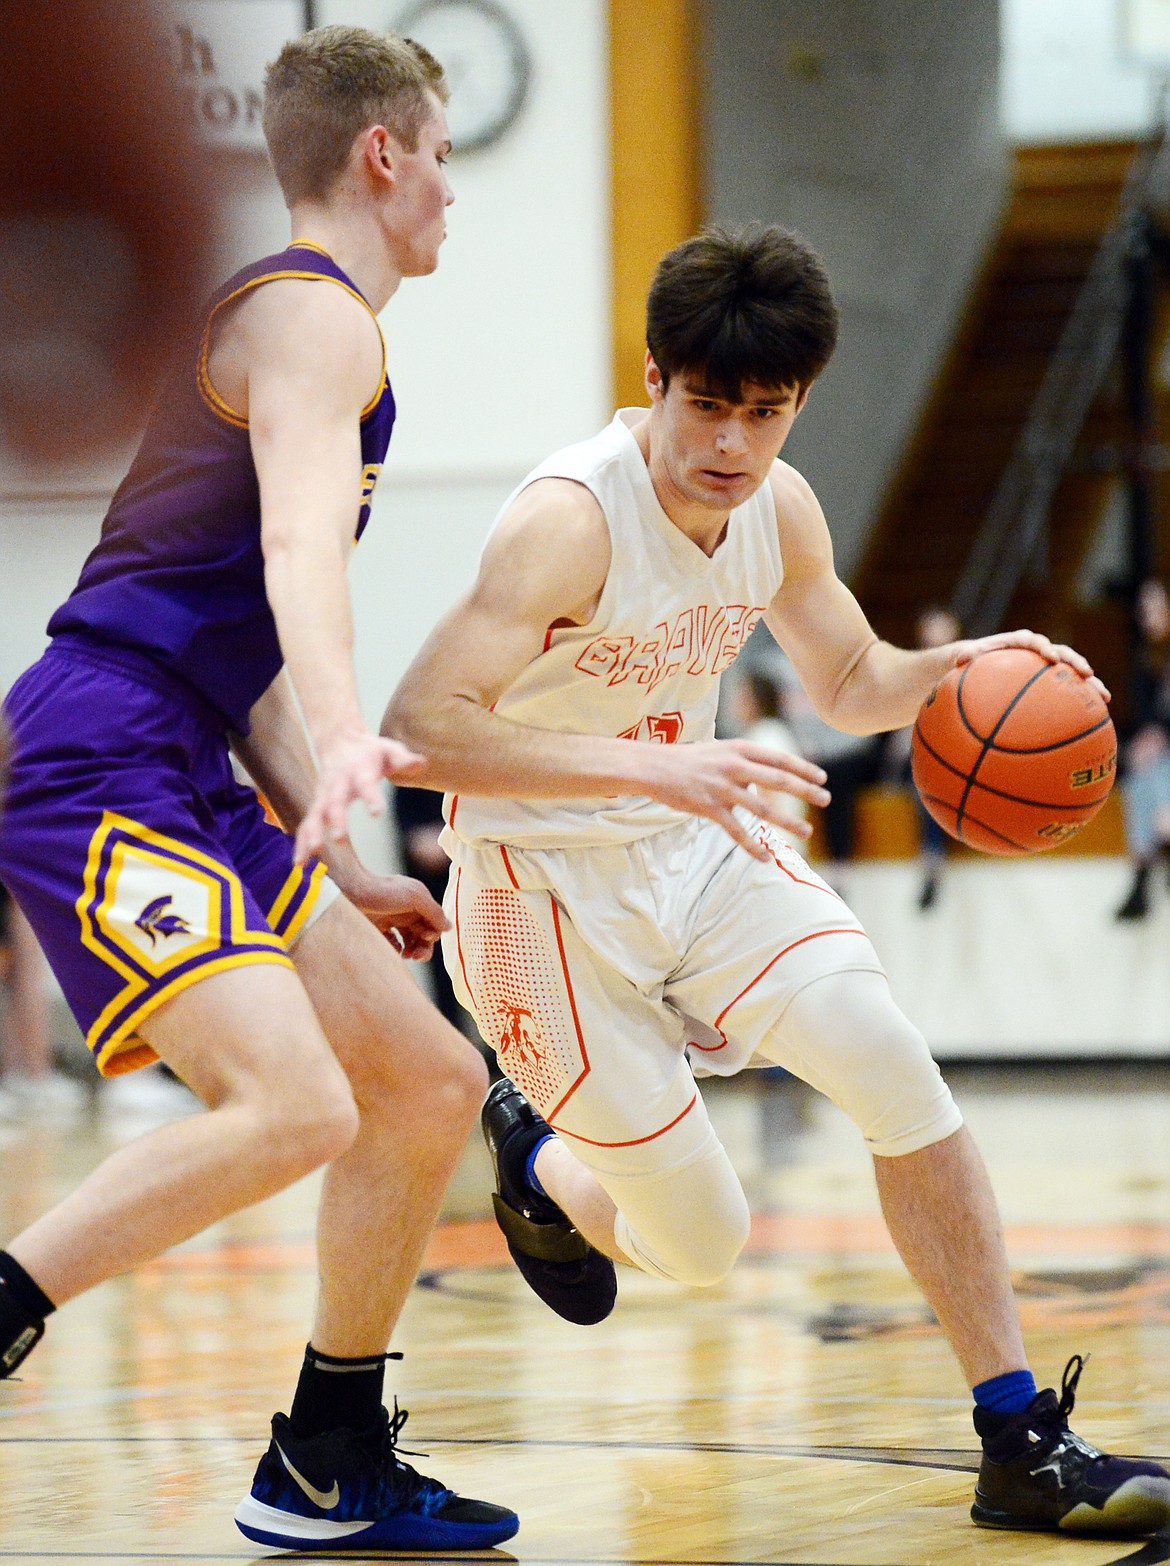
(446, 1088)
(911, 1107)
(870, 1059)
(709, 1263)
(699, 1249)
(311, 1126)
(461, 1090)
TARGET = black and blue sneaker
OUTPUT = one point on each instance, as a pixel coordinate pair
(349, 1490)
(555, 1259)
(1037, 1474)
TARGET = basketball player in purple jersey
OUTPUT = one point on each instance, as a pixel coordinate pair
(624, 916)
(179, 921)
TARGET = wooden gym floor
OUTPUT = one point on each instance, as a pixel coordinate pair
(806, 1412)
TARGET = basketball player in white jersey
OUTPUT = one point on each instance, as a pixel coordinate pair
(624, 914)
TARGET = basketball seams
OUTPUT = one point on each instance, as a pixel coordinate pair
(951, 755)
(989, 742)
(1001, 793)
(982, 825)
(1040, 750)
(959, 708)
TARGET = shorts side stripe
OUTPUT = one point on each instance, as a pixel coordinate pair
(295, 902)
(106, 1050)
(638, 1140)
(556, 918)
(459, 941)
(815, 936)
(149, 977)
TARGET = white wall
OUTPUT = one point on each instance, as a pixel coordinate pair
(496, 360)
(1066, 75)
(1021, 958)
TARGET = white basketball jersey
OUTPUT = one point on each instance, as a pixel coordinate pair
(646, 667)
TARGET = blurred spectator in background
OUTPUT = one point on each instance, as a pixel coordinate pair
(104, 253)
(30, 1088)
(850, 761)
(418, 814)
(934, 627)
(1146, 753)
(756, 711)
(104, 240)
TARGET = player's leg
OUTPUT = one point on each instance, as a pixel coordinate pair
(635, 1161)
(419, 1085)
(331, 1475)
(818, 1004)
(844, 1034)
(247, 1043)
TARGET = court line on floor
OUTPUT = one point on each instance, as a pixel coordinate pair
(1154, 1552)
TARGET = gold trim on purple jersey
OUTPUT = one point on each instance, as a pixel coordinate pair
(203, 377)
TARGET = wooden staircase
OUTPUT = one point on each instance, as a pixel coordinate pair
(1063, 199)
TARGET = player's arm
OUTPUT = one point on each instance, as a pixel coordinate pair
(546, 563)
(856, 681)
(276, 753)
(313, 360)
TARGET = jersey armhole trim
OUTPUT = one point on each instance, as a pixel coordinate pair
(203, 379)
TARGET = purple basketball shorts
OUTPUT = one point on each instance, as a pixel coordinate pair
(140, 861)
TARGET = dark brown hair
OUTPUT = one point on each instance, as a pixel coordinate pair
(329, 85)
(744, 306)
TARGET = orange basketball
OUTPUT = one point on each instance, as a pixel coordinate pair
(1012, 754)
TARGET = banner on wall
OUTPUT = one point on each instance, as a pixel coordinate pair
(221, 49)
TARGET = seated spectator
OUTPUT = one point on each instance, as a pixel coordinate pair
(1145, 788)
(756, 710)
(850, 762)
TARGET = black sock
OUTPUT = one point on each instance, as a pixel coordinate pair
(333, 1393)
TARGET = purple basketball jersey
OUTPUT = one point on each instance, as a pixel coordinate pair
(178, 573)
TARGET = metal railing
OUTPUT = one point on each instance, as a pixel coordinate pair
(1013, 538)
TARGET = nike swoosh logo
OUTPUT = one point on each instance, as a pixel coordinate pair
(325, 1499)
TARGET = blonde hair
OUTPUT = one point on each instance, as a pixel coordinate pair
(329, 85)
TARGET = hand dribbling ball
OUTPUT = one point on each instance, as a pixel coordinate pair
(1012, 754)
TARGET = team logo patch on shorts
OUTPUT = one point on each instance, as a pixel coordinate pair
(154, 910)
(520, 989)
(156, 922)
(519, 1043)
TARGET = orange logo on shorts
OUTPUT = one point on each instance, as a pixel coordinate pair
(519, 1035)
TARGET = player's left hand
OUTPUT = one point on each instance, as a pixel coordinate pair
(1054, 652)
(405, 912)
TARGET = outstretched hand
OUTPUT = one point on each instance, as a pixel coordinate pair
(1054, 652)
(351, 768)
(715, 777)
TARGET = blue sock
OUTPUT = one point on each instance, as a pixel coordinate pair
(530, 1167)
(1007, 1394)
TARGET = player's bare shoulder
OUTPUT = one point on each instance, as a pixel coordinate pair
(298, 327)
(800, 522)
(555, 533)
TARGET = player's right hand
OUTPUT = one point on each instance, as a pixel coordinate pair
(351, 767)
(713, 777)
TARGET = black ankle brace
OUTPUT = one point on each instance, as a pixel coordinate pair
(23, 1308)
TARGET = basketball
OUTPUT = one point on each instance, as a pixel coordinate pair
(1012, 754)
